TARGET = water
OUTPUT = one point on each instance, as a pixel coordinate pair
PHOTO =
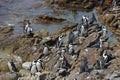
(13, 11)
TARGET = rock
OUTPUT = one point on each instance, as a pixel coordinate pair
(91, 39)
(24, 72)
(45, 19)
(109, 18)
(117, 53)
(9, 76)
(81, 39)
(106, 45)
(51, 76)
(26, 65)
(4, 66)
(94, 72)
(6, 29)
(113, 76)
(41, 33)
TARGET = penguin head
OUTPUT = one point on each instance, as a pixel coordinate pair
(39, 60)
(83, 17)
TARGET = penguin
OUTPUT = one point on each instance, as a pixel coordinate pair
(70, 49)
(93, 19)
(59, 42)
(58, 52)
(75, 79)
(104, 32)
(45, 50)
(12, 66)
(85, 20)
(33, 68)
(100, 43)
(64, 63)
(84, 65)
(101, 62)
(28, 30)
(105, 56)
(76, 34)
(71, 37)
(82, 29)
(115, 3)
(101, 3)
(39, 65)
(79, 28)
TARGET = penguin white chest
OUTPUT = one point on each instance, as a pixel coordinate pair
(10, 67)
(33, 69)
(45, 51)
(39, 66)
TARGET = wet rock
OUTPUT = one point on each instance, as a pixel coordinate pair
(89, 5)
(45, 19)
(6, 29)
(5, 32)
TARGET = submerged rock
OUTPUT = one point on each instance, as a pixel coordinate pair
(45, 19)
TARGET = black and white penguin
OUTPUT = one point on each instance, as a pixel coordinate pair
(46, 50)
(82, 30)
(64, 63)
(84, 65)
(101, 62)
(70, 49)
(104, 32)
(28, 29)
(12, 66)
(33, 68)
(100, 43)
(59, 42)
(58, 52)
(85, 21)
(39, 65)
(71, 37)
(76, 34)
(107, 57)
